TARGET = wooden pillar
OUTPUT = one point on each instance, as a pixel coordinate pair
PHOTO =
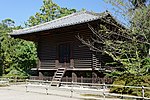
(71, 63)
(81, 79)
(94, 77)
(40, 76)
(56, 63)
(38, 63)
(74, 77)
(66, 78)
(98, 80)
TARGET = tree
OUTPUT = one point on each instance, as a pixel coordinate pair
(127, 46)
(138, 3)
(19, 56)
(48, 11)
(15, 54)
(0, 57)
(4, 29)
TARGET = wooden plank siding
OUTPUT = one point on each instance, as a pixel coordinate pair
(95, 61)
(48, 48)
(46, 53)
(82, 57)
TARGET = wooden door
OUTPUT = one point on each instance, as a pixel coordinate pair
(64, 53)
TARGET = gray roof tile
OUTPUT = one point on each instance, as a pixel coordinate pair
(72, 19)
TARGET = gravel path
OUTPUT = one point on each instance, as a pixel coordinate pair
(18, 92)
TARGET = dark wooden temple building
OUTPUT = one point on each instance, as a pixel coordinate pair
(60, 53)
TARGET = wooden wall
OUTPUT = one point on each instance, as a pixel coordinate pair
(48, 47)
(82, 56)
(46, 52)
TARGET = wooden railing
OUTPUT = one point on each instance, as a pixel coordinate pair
(4, 81)
(98, 89)
(79, 79)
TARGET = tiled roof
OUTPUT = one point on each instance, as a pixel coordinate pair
(72, 19)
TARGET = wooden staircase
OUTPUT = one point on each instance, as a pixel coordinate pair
(58, 76)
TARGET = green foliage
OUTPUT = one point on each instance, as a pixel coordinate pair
(16, 73)
(114, 74)
(48, 11)
(18, 54)
(5, 27)
(131, 80)
(146, 65)
(138, 3)
(127, 47)
(15, 55)
(118, 89)
(25, 58)
(134, 53)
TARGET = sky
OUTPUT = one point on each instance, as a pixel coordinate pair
(21, 10)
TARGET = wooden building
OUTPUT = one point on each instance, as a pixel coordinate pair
(59, 51)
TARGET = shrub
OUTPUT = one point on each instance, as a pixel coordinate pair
(131, 80)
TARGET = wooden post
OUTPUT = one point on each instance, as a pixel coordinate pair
(15, 79)
(66, 79)
(94, 77)
(81, 79)
(8, 81)
(40, 75)
(46, 88)
(74, 77)
(64, 65)
(143, 92)
(56, 63)
(104, 86)
(104, 79)
(71, 63)
(26, 85)
(71, 89)
(98, 80)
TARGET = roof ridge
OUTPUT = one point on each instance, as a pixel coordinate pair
(93, 13)
(78, 14)
(50, 21)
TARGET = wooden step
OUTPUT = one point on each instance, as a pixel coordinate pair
(61, 68)
(56, 79)
(59, 73)
(58, 76)
(55, 83)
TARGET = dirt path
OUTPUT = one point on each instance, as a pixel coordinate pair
(18, 92)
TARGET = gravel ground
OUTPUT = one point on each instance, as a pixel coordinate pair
(18, 92)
